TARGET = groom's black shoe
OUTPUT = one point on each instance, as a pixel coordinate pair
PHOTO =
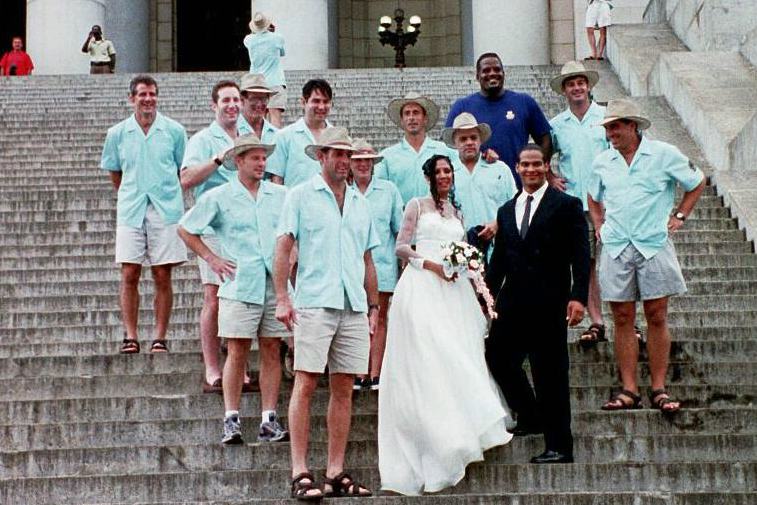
(521, 430)
(552, 457)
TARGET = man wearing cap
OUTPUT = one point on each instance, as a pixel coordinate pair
(102, 53)
(289, 164)
(386, 205)
(266, 47)
(512, 116)
(631, 196)
(578, 139)
(480, 187)
(402, 164)
(244, 214)
(255, 96)
(335, 304)
(142, 155)
(202, 169)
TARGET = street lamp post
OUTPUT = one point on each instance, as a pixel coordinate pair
(399, 39)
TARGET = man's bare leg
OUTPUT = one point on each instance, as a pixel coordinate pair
(161, 276)
(626, 344)
(270, 371)
(234, 370)
(595, 304)
(339, 417)
(129, 295)
(299, 419)
(209, 340)
(592, 42)
(602, 42)
(378, 339)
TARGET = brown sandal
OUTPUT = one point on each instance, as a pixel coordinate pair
(618, 403)
(344, 485)
(659, 398)
(595, 333)
(159, 346)
(130, 346)
(300, 489)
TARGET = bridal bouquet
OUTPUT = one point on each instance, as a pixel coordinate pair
(461, 259)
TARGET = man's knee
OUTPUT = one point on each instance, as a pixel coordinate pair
(656, 312)
(269, 349)
(623, 313)
(210, 297)
(161, 276)
(130, 274)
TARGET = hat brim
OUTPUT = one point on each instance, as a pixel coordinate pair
(394, 110)
(641, 122)
(312, 149)
(448, 134)
(253, 89)
(556, 82)
(366, 156)
(255, 29)
(228, 159)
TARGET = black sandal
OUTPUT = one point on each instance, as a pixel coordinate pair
(344, 485)
(159, 346)
(130, 346)
(595, 333)
(300, 489)
(662, 399)
(617, 403)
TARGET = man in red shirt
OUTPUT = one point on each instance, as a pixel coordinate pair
(16, 61)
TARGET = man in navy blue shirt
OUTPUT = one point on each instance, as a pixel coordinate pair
(512, 116)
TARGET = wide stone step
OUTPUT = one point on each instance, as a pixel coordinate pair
(166, 456)
(274, 483)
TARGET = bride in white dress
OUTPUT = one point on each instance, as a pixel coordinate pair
(439, 408)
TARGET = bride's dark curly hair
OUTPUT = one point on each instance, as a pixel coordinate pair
(429, 170)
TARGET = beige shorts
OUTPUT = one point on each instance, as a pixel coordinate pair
(279, 100)
(155, 243)
(207, 275)
(249, 320)
(335, 337)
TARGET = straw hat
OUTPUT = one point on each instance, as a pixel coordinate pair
(573, 69)
(260, 23)
(464, 121)
(622, 108)
(394, 109)
(335, 137)
(364, 150)
(243, 144)
(255, 83)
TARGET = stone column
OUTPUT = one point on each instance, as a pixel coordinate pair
(305, 26)
(55, 32)
(126, 24)
(517, 30)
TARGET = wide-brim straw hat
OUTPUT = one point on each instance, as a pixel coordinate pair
(260, 23)
(465, 121)
(394, 110)
(623, 108)
(364, 151)
(255, 83)
(243, 144)
(573, 69)
(335, 137)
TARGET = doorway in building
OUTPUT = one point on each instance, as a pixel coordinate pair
(209, 36)
(12, 23)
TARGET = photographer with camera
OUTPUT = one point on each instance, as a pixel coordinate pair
(102, 53)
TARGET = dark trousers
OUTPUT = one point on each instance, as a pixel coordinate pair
(543, 340)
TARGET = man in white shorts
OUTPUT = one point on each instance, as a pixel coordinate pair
(335, 306)
(143, 154)
(244, 214)
(597, 18)
(633, 186)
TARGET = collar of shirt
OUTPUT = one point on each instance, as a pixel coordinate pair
(158, 124)
(644, 149)
(426, 143)
(538, 195)
(218, 131)
(594, 114)
(238, 190)
(244, 126)
(319, 183)
(301, 126)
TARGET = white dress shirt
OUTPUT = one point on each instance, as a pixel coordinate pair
(520, 204)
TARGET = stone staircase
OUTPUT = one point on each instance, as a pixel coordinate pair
(81, 424)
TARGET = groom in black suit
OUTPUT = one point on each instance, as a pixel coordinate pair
(541, 253)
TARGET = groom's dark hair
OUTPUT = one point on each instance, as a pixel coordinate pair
(532, 147)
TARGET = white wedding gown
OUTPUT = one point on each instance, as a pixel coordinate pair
(439, 408)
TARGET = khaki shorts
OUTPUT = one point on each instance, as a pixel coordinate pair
(598, 15)
(279, 100)
(249, 320)
(207, 275)
(335, 337)
(155, 243)
(631, 277)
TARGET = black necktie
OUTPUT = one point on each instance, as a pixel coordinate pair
(526, 217)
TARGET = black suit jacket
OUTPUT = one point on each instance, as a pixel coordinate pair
(550, 266)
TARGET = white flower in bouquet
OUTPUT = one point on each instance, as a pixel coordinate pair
(474, 264)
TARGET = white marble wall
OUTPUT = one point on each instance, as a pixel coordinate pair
(126, 24)
(517, 30)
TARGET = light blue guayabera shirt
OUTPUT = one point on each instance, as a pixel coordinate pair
(265, 50)
(205, 144)
(638, 199)
(331, 244)
(482, 192)
(386, 207)
(149, 165)
(289, 159)
(267, 133)
(404, 166)
(578, 142)
(247, 229)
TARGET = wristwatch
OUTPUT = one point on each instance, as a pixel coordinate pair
(680, 215)
(217, 160)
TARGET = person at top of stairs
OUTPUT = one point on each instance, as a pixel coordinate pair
(265, 48)
(142, 155)
(631, 194)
